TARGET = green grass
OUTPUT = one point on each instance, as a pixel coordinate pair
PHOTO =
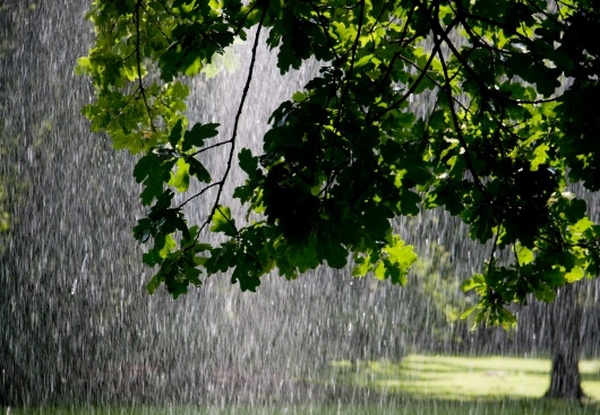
(458, 377)
(403, 407)
(419, 385)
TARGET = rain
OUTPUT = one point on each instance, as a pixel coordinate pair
(77, 324)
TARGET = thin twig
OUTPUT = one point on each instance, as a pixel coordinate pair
(204, 149)
(200, 193)
(345, 92)
(325, 27)
(423, 74)
(138, 5)
(238, 115)
(457, 128)
(397, 54)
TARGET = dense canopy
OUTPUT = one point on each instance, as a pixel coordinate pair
(512, 125)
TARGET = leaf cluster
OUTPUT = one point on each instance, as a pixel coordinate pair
(509, 127)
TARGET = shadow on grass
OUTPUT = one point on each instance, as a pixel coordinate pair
(459, 377)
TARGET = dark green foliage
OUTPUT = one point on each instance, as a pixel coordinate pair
(511, 124)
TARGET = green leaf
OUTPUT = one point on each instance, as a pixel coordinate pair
(400, 258)
(154, 283)
(181, 178)
(376, 219)
(245, 273)
(168, 246)
(249, 164)
(582, 225)
(192, 274)
(221, 258)
(575, 210)
(196, 136)
(332, 252)
(474, 283)
(198, 170)
(154, 171)
(574, 275)
(554, 277)
(409, 202)
(361, 267)
(222, 221)
(524, 255)
(540, 156)
(335, 255)
(243, 193)
(176, 131)
(468, 312)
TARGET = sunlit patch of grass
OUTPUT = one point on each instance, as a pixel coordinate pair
(460, 377)
(590, 374)
(419, 385)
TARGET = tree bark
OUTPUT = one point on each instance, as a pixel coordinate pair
(565, 329)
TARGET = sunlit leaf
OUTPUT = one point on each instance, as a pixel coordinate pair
(181, 178)
(222, 221)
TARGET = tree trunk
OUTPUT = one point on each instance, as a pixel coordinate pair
(565, 330)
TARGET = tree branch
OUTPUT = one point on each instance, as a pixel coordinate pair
(138, 57)
(204, 149)
(236, 123)
(422, 74)
(447, 89)
(200, 193)
(344, 94)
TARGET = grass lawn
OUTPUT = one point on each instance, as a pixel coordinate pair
(419, 385)
(458, 377)
(409, 407)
